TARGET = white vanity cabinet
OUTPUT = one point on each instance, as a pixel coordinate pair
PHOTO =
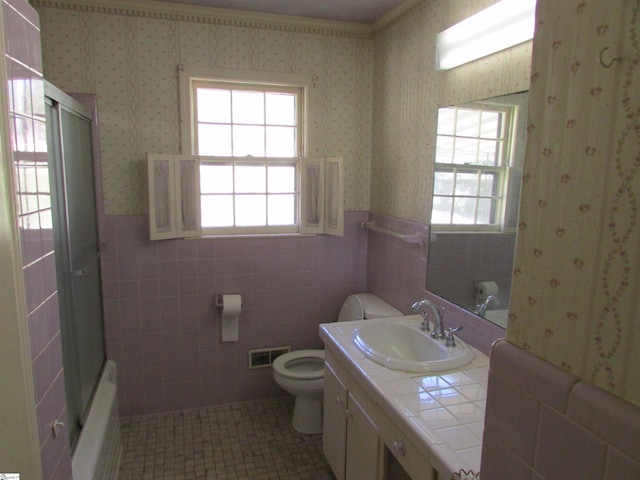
(350, 441)
(359, 438)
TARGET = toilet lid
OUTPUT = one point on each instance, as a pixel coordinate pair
(301, 364)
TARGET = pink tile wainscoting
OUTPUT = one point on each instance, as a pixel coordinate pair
(162, 327)
(543, 423)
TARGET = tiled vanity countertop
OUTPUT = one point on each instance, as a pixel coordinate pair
(442, 413)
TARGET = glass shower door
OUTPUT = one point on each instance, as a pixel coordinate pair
(77, 255)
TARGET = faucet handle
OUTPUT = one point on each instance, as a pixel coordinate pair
(451, 340)
(425, 322)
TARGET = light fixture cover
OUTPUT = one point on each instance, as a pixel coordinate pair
(502, 25)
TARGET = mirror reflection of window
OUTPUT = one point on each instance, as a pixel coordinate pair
(473, 155)
(480, 150)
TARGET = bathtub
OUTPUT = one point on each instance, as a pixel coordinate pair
(97, 454)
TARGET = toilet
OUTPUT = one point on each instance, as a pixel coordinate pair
(301, 372)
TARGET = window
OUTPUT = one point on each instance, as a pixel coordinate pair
(246, 134)
(250, 195)
(473, 156)
(237, 120)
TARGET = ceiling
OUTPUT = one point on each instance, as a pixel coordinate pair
(360, 11)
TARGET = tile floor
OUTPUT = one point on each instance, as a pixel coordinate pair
(252, 440)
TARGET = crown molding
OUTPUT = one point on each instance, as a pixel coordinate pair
(401, 11)
(211, 15)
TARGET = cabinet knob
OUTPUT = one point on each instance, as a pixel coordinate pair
(398, 448)
(340, 401)
(348, 413)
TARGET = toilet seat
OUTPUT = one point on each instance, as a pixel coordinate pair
(300, 364)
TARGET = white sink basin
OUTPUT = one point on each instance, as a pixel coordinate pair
(398, 343)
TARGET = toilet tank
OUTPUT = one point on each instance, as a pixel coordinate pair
(366, 305)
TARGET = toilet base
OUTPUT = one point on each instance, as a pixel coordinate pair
(307, 415)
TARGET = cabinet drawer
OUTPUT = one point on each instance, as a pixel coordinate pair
(406, 453)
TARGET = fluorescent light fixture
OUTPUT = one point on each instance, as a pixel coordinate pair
(502, 25)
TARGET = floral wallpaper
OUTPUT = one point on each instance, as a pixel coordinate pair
(129, 57)
(576, 279)
(408, 91)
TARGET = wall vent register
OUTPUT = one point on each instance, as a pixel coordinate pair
(265, 357)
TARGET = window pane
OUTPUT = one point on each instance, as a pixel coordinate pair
(251, 210)
(282, 209)
(250, 178)
(441, 211)
(282, 179)
(216, 178)
(466, 151)
(214, 105)
(281, 141)
(446, 121)
(464, 210)
(488, 184)
(443, 182)
(214, 140)
(248, 107)
(217, 210)
(485, 210)
(281, 109)
(488, 153)
(248, 141)
(490, 125)
(444, 149)
(468, 123)
(466, 184)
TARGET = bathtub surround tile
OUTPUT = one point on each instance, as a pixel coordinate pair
(541, 423)
(541, 379)
(236, 441)
(512, 416)
(556, 455)
(499, 461)
(620, 466)
(616, 422)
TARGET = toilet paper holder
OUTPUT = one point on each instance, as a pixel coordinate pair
(220, 301)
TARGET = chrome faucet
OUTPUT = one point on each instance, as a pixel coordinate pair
(481, 309)
(438, 323)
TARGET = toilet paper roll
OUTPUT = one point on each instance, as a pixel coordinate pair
(231, 308)
(484, 289)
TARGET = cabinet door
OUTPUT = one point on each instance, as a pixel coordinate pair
(362, 444)
(334, 438)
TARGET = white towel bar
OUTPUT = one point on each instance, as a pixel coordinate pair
(409, 238)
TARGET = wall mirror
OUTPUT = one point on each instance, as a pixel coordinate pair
(479, 156)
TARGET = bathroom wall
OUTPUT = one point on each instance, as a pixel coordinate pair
(161, 326)
(29, 147)
(397, 270)
(407, 93)
(129, 57)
